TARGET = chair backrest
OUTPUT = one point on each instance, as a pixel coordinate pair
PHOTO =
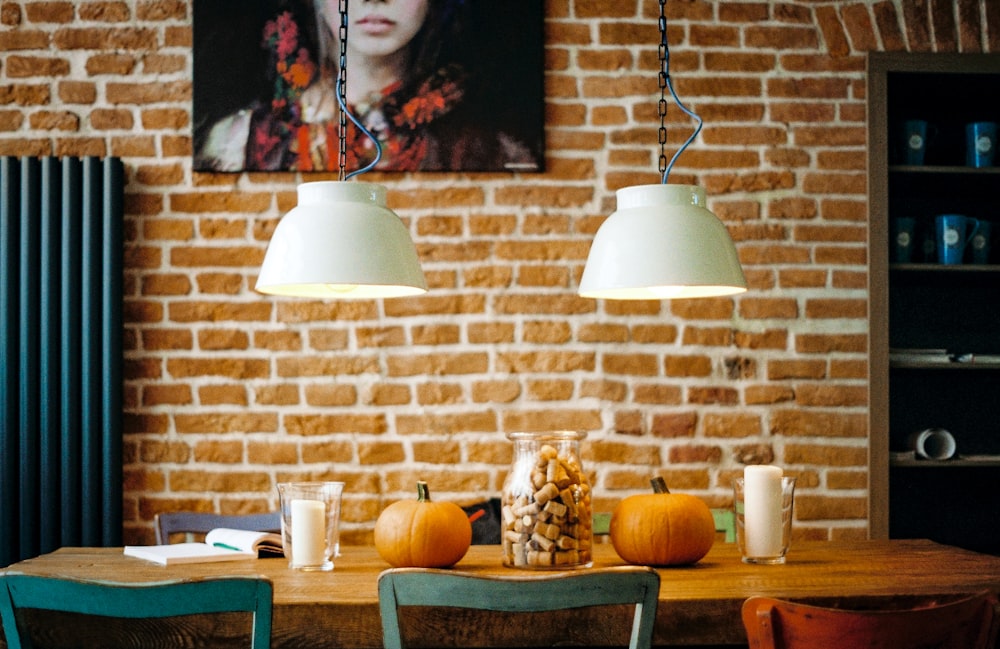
(725, 523)
(169, 523)
(945, 623)
(520, 593)
(135, 601)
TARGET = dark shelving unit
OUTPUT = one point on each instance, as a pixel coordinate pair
(935, 329)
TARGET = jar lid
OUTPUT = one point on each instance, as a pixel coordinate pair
(558, 435)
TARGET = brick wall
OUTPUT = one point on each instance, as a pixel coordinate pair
(228, 391)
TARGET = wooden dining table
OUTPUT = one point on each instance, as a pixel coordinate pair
(698, 604)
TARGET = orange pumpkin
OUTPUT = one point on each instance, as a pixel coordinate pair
(662, 528)
(422, 534)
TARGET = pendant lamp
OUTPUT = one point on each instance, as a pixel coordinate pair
(341, 241)
(662, 242)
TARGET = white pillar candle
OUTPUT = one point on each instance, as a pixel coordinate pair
(308, 532)
(762, 510)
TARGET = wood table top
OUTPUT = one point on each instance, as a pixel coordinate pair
(698, 604)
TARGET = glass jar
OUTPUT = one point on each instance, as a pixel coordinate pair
(546, 512)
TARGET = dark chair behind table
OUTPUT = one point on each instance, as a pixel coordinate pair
(520, 592)
(20, 593)
(485, 518)
(200, 523)
(956, 622)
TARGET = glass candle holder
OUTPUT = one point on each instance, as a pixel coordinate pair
(764, 519)
(310, 523)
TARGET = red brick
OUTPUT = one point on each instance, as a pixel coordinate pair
(658, 394)
(388, 395)
(674, 425)
(112, 63)
(109, 12)
(223, 394)
(133, 146)
(546, 332)
(11, 120)
(801, 423)
(780, 38)
(111, 119)
(93, 38)
(19, 67)
(49, 12)
(161, 10)
(331, 395)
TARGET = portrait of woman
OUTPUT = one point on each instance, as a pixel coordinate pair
(444, 85)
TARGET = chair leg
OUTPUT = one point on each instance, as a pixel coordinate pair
(765, 623)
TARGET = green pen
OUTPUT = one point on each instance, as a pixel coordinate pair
(227, 547)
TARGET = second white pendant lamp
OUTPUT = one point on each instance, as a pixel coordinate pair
(662, 242)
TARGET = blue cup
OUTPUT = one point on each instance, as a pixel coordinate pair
(980, 243)
(981, 143)
(914, 141)
(952, 237)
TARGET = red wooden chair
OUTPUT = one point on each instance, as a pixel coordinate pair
(971, 622)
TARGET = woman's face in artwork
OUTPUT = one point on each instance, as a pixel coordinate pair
(378, 28)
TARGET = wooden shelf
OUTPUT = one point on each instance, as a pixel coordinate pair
(938, 170)
(944, 268)
(955, 463)
(951, 367)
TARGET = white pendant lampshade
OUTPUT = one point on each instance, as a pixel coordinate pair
(341, 241)
(661, 243)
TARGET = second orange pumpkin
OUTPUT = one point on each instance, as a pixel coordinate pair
(421, 533)
(663, 528)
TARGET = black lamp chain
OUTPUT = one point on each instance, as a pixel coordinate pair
(664, 76)
(342, 85)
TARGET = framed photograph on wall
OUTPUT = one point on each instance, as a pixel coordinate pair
(444, 85)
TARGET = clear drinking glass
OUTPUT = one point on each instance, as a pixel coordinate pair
(310, 523)
(764, 529)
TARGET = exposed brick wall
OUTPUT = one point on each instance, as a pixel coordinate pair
(229, 391)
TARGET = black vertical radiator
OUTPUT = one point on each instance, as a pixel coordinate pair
(60, 354)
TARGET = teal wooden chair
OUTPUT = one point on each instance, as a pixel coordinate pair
(522, 592)
(201, 523)
(135, 601)
(725, 523)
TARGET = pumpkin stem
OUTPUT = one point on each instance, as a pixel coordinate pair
(423, 493)
(659, 485)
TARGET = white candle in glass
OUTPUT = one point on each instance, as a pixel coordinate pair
(308, 532)
(762, 510)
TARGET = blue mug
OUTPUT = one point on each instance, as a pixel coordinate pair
(981, 143)
(952, 237)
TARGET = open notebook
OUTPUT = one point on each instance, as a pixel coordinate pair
(221, 544)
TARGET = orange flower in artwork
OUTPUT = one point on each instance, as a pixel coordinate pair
(300, 74)
(430, 102)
